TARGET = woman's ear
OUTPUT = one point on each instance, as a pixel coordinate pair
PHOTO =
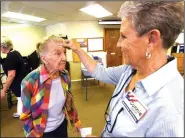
(43, 59)
(154, 36)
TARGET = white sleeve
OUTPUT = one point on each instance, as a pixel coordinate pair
(108, 75)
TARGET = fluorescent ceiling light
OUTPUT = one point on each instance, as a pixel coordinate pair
(6, 27)
(96, 10)
(22, 16)
(109, 22)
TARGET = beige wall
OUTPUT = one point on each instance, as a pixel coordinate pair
(24, 37)
(75, 69)
(78, 29)
(82, 29)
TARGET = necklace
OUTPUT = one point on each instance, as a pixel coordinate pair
(132, 82)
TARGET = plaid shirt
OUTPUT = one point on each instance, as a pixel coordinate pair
(35, 94)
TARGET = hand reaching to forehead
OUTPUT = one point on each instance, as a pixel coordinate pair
(70, 45)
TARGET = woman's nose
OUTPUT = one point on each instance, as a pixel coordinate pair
(63, 57)
(119, 43)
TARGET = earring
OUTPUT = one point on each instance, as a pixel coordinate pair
(148, 54)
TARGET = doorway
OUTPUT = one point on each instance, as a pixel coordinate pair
(114, 54)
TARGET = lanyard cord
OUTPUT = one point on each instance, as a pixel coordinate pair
(108, 122)
(115, 121)
(119, 91)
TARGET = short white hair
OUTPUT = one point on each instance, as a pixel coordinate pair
(166, 16)
(43, 45)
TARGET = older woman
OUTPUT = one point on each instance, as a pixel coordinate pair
(15, 71)
(46, 94)
(148, 99)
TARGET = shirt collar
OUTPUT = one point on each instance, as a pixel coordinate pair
(44, 75)
(158, 79)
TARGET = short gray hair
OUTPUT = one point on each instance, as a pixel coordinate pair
(166, 16)
(43, 44)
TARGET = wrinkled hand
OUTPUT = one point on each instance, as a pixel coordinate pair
(78, 128)
(70, 45)
(3, 94)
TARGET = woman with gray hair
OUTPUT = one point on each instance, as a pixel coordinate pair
(148, 99)
(46, 94)
(14, 68)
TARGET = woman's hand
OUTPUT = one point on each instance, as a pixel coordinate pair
(70, 45)
(78, 128)
(3, 93)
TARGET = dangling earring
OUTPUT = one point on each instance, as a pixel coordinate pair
(148, 54)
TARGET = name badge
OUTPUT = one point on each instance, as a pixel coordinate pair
(134, 106)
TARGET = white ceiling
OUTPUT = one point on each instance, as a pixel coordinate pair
(58, 11)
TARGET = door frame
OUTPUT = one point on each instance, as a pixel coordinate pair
(104, 44)
(104, 29)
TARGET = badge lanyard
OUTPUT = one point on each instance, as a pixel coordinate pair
(107, 114)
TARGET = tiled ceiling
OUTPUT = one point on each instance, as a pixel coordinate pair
(58, 11)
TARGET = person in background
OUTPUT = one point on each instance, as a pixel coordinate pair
(37, 50)
(46, 94)
(148, 98)
(14, 69)
(34, 59)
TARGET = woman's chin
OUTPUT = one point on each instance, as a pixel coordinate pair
(61, 68)
(125, 61)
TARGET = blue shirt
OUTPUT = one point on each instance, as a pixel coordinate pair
(162, 92)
